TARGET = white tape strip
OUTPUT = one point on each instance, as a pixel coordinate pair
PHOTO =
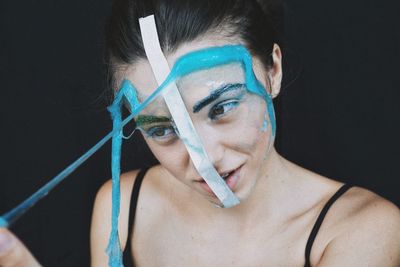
(174, 101)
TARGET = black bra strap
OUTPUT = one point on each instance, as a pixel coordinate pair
(132, 212)
(320, 219)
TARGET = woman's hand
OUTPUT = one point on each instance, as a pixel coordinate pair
(13, 253)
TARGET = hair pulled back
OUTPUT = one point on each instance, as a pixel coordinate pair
(256, 23)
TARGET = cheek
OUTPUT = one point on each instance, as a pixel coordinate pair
(252, 139)
(173, 157)
(252, 132)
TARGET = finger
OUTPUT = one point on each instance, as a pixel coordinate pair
(13, 253)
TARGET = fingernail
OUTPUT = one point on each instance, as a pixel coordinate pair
(5, 241)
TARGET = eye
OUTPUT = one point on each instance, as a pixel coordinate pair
(222, 108)
(160, 133)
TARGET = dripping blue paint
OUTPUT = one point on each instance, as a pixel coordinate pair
(194, 61)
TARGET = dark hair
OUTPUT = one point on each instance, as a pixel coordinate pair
(257, 23)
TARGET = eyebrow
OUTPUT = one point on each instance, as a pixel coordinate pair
(215, 95)
(150, 119)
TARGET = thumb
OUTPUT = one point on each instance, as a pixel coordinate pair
(13, 253)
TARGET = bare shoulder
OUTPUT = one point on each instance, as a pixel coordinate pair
(363, 208)
(103, 203)
(365, 231)
(152, 197)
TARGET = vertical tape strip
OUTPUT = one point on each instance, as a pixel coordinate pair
(187, 132)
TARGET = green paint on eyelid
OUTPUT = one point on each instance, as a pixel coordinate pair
(149, 119)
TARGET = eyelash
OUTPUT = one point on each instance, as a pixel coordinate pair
(230, 104)
(151, 133)
(227, 105)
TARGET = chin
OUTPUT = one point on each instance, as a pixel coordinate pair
(241, 193)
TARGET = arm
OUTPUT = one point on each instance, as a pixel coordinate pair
(371, 239)
(101, 219)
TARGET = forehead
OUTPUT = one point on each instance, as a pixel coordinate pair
(141, 74)
(215, 82)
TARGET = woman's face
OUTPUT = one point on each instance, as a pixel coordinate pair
(231, 122)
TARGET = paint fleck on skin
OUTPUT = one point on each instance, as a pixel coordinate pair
(265, 126)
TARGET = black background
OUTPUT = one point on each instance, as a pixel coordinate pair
(338, 113)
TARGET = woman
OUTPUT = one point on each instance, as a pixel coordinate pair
(175, 222)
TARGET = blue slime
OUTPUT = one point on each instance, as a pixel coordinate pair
(194, 61)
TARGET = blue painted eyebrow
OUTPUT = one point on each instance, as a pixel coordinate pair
(215, 95)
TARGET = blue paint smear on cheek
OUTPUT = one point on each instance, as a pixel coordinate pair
(270, 112)
(265, 124)
(256, 87)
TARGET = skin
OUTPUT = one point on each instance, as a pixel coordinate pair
(176, 224)
(13, 253)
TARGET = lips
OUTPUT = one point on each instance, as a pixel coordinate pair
(231, 178)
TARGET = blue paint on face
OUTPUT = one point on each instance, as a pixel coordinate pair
(216, 56)
(265, 124)
(130, 93)
(191, 62)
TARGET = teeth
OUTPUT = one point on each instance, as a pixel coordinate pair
(225, 175)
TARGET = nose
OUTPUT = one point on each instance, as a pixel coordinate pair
(213, 144)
